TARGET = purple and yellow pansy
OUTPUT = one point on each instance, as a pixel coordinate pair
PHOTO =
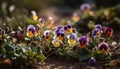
(60, 36)
(34, 15)
(85, 7)
(30, 31)
(83, 41)
(68, 29)
(41, 22)
(75, 17)
(58, 29)
(56, 43)
(46, 34)
(96, 33)
(72, 38)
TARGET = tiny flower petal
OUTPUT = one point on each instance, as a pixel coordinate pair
(98, 26)
(96, 33)
(108, 31)
(72, 36)
(103, 47)
(92, 61)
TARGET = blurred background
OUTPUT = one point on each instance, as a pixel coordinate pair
(17, 12)
(51, 7)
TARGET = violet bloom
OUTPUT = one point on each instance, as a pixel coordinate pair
(108, 31)
(83, 41)
(103, 47)
(60, 36)
(56, 43)
(98, 26)
(92, 61)
(20, 34)
(68, 29)
(58, 30)
(96, 33)
(71, 38)
(41, 22)
(30, 30)
(47, 34)
(75, 17)
(85, 7)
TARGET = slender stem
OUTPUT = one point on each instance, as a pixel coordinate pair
(51, 54)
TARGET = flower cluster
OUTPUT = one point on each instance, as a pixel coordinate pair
(64, 40)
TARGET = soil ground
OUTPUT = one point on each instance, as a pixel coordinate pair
(55, 63)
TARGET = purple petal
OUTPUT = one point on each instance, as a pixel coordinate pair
(31, 28)
(84, 6)
(83, 39)
(103, 46)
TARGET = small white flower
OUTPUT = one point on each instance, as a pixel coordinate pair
(114, 43)
(12, 8)
(33, 12)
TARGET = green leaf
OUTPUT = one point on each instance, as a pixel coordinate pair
(82, 58)
(40, 57)
(10, 49)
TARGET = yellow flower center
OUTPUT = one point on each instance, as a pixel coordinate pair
(35, 17)
(75, 18)
(42, 24)
(68, 31)
(71, 41)
(30, 34)
(60, 38)
(56, 44)
(86, 11)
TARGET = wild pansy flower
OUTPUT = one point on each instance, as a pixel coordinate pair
(85, 7)
(47, 34)
(41, 22)
(75, 17)
(20, 35)
(60, 35)
(92, 61)
(51, 21)
(72, 38)
(68, 29)
(103, 47)
(83, 41)
(98, 26)
(2, 32)
(96, 33)
(58, 29)
(108, 31)
(34, 15)
(56, 43)
(30, 31)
